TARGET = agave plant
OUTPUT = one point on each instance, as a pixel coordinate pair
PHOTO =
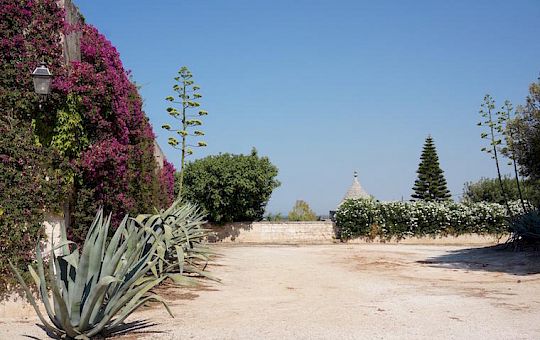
(526, 227)
(182, 252)
(93, 291)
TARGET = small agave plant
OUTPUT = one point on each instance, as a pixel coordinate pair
(182, 252)
(94, 291)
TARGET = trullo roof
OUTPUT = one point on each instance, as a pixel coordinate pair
(355, 191)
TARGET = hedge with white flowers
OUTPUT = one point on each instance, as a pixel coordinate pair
(370, 218)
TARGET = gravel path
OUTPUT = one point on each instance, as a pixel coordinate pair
(372, 291)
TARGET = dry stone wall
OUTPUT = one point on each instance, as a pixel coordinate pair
(274, 232)
(321, 232)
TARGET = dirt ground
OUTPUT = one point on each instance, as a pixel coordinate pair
(369, 291)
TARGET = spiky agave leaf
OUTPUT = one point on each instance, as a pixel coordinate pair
(96, 289)
(184, 240)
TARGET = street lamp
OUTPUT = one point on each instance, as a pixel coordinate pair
(42, 79)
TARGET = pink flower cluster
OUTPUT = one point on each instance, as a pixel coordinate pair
(123, 136)
(167, 180)
(118, 166)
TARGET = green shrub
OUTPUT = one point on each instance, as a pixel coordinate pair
(369, 218)
(230, 187)
(489, 190)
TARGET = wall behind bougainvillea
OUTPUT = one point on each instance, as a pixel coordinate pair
(93, 117)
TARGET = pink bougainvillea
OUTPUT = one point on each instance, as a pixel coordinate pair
(117, 170)
(25, 41)
(167, 180)
(119, 165)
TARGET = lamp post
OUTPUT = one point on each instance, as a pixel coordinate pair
(42, 78)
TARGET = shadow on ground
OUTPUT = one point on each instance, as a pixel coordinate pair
(130, 330)
(493, 259)
(222, 232)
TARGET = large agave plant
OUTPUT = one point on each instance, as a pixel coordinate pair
(93, 291)
(182, 251)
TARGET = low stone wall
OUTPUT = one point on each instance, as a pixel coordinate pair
(52, 225)
(323, 232)
(466, 239)
(273, 232)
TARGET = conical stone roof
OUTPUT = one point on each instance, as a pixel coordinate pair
(355, 191)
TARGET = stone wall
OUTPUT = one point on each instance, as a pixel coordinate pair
(465, 240)
(71, 41)
(323, 232)
(273, 232)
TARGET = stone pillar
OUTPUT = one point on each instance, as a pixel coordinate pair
(71, 41)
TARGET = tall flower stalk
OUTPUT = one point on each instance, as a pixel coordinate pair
(505, 116)
(187, 95)
(494, 123)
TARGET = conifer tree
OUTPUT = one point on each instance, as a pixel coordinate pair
(431, 184)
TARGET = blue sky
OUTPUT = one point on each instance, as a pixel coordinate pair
(324, 88)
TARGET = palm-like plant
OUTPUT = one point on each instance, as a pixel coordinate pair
(95, 290)
(181, 251)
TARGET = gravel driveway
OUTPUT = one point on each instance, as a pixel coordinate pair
(369, 291)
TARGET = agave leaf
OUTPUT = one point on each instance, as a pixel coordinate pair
(198, 256)
(172, 208)
(128, 311)
(43, 287)
(118, 301)
(84, 261)
(98, 250)
(132, 272)
(62, 314)
(153, 269)
(148, 223)
(168, 234)
(141, 218)
(72, 259)
(32, 301)
(192, 269)
(182, 280)
(133, 296)
(95, 299)
(34, 276)
(111, 265)
(181, 258)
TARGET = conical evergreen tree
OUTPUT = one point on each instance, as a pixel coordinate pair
(431, 184)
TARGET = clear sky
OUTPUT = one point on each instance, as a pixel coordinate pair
(324, 88)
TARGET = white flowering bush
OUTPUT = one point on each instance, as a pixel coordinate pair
(370, 218)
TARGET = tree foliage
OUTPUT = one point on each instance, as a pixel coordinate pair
(302, 212)
(431, 184)
(231, 187)
(525, 128)
(489, 190)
